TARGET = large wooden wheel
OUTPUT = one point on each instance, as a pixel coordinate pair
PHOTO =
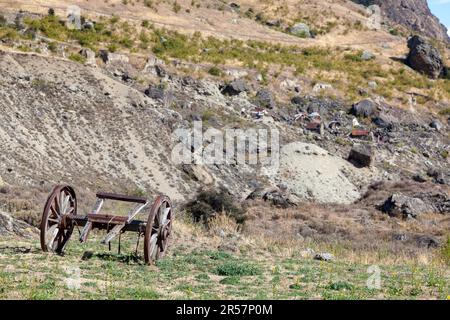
(56, 228)
(158, 229)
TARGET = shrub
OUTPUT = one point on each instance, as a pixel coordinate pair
(210, 203)
(176, 7)
(77, 58)
(51, 12)
(52, 46)
(237, 268)
(340, 285)
(215, 71)
(2, 21)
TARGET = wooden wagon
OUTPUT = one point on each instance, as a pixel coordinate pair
(60, 217)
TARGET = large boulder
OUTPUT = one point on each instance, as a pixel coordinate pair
(113, 58)
(265, 99)
(364, 108)
(399, 205)
(361, 156)
(424, 58)
(155, 92)
(301, 30)
(235, 87)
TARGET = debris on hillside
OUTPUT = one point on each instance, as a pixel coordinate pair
(361, 155)
(399, 205)
(10, 226)
(277, 196)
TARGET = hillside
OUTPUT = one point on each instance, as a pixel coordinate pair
(362, 168)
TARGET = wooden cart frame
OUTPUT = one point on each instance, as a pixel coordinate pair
(60, 217)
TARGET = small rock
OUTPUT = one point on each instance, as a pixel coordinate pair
(89, 55)
(436, 124)
(372, 84)
(88, 25)
(324, 256)
(322, 86)
(427, 242)
(110, 58)
(367, 55)
(419, 178)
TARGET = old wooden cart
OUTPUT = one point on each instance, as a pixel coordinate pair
(60, 217)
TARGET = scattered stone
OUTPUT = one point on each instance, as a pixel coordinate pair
(361, 155)
(384, 120)
(427, 242)
(111, 58)
(301, 30)
(297, 100)
(424, 58)
(88, 25)
(155, 66)
(438, 175)
(367, 55)
(277, 196)
(236, 73)
(436, 124)
(419, 178)
(235, 6)
(273, 23)
(399, 205)
(155, 92)
(322, 86)
(364, 108)
(265, 99)
(89, 55)
(235, 87)
(372, 84)
(324, 256)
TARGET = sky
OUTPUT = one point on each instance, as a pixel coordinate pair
(441, 9)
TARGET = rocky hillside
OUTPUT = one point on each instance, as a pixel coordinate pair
(363, 118)
(413, 14)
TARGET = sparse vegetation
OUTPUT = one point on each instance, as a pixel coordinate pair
(210, 203)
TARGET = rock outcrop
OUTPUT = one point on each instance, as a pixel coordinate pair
(400, 205)
(413, 14)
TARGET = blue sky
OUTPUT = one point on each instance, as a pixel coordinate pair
(441, 9)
